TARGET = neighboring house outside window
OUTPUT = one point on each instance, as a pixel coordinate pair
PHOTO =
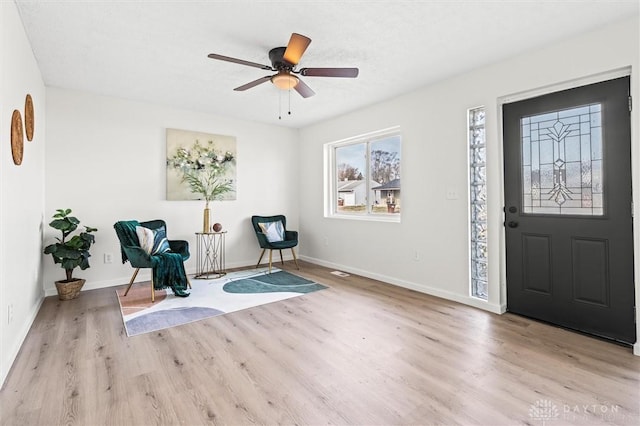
(352, 193)
(390, 193)
(364, 176)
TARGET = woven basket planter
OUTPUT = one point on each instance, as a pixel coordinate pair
(69, 290)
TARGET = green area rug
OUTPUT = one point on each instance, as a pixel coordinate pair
(233, 292)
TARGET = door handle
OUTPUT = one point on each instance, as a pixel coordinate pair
(512, 224)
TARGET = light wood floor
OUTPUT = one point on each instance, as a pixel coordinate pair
(361, 352)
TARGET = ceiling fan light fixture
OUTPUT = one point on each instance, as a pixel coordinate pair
(284, 81)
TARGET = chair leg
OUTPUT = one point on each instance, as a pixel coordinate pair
(261, 254)
(153, 291)
(270, 256)
(281, 261)
(135, 274)
(188, 282)
(294, 258)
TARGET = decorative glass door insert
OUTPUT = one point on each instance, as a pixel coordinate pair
(562, 162)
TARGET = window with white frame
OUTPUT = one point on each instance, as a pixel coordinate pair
(364, 176)
(478, 203)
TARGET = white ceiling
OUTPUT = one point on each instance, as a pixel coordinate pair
(156, 50)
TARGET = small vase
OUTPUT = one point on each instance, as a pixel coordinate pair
(205, 226)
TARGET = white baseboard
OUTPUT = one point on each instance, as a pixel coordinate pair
(17, 344)
(145, 275)
(636, 349)
(422, 288)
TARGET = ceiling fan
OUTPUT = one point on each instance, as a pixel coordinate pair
(284, 61)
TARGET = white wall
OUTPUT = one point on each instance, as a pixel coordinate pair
(434, 160)
(105, 160)
(21, 189)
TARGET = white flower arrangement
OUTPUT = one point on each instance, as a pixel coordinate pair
(204, 168)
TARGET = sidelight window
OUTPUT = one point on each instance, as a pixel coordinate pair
(478, 202)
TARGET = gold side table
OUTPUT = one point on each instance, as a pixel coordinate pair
(210, 254)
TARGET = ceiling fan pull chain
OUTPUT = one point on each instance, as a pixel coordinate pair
(289, 101)
(279, 105)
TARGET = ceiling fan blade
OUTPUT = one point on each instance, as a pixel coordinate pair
(329, 72)
(296, 47)
(304, 90)
(253, 83)
(239, 61)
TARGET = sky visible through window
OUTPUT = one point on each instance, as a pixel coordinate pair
(354, 155)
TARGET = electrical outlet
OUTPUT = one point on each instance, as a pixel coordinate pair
(416, 256)
(326, 241)
(108, 258)
(9, 313)
(451, 194)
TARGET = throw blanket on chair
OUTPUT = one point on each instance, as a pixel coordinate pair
(169, 272)
(168, 268)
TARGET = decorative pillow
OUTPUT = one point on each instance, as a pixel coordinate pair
(153, 242)
(274, 231)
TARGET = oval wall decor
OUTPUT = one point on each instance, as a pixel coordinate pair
(29, 122)
(17, 138)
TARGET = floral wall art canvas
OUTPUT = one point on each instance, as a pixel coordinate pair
(202, 155)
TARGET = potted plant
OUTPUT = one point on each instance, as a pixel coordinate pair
(70, 252)
(204, 169)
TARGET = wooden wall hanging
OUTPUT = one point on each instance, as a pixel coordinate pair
(28, 117)
(17, 138)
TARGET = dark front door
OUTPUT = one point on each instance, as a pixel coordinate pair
(568, 209)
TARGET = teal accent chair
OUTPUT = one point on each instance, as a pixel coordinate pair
(289, 242)
(138, 257)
